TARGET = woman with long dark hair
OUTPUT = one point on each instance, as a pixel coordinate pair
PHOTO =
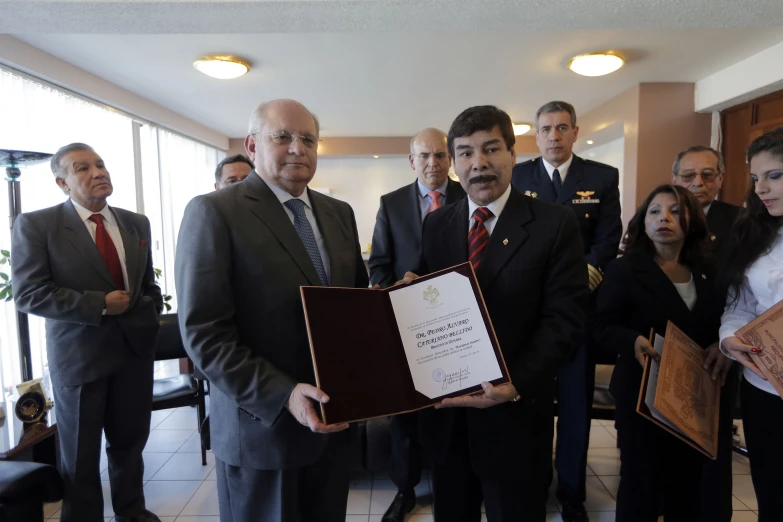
(665, 274)
(754, 270)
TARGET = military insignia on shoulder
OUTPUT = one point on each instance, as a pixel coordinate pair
(584, 196)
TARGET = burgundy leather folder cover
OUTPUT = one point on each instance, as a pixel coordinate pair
(358, 354)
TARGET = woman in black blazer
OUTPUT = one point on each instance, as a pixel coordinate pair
(664, 275)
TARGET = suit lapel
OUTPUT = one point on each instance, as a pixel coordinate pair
(661, 287)
(454, 240)
(454, 192)
(334, 236)
(507, 237)
(573, 182)
(266, 207)
(130, 242)
(81, 240)
(414, 216)
(543, 183)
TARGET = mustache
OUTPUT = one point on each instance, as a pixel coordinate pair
(483, 178)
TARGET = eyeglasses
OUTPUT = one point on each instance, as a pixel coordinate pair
(286, 139)
(708, 176)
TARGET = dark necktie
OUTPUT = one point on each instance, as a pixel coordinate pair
(557, 182)
(478, 237)
(305, 231)
(108, 251)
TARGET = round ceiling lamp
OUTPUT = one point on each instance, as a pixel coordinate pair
(521, 128)
(595, 64)
(222, 67)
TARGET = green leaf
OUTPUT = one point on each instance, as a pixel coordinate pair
(3, 293)
(3, 276)
(167, 298)
(168, 307)
(2, 261)
(5, 253)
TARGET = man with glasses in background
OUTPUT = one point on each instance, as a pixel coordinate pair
(243, 252)
(700, 169)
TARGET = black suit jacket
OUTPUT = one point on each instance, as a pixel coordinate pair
(239, 266)
(534, 284)
(719, 220)
(59, 274)
(396, 240)
(636, 295)
(600, 223)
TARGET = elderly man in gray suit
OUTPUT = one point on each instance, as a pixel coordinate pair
(242, 254)
(87, 269)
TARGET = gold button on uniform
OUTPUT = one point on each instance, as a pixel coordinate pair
(587, 216)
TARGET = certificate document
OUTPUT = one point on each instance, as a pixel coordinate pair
(446, 341)
(766, 332)
(383, 352)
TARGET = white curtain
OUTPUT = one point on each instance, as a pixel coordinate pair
(38, 117)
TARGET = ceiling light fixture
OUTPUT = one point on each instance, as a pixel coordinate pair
(589, 142)
(375, 156)
(521, 128)
(222, 67)
(595, 64)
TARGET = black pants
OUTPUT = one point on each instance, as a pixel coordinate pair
(716, 482)
(655, 466)
(405, 462)
(762, 415)
(121, 406)
(575, 384)
(513, 488)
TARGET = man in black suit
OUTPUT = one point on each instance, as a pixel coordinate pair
(86, 268)
(700, 169)
(232, 169)
(530, 266)
(242, 255)
(396, 247)
(590, 190)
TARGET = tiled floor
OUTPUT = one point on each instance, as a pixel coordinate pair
(180, 489)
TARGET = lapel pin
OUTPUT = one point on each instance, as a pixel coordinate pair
(505, 241)
(703, 276)
(712, 238)
(587, 216)
(527, 193)
(534, 194)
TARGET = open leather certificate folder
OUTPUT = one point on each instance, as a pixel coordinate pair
(766, 332)
(678, 394)
(404, 348)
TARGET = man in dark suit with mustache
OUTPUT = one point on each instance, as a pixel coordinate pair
(87, 268)
(530, 266)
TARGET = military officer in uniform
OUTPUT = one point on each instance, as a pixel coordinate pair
(591, 190)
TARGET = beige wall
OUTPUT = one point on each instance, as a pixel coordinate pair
(656, 120)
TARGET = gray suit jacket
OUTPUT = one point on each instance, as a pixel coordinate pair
(58, 274)
(239, 266)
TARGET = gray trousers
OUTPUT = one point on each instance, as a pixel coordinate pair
(120, 405)
(315, 493)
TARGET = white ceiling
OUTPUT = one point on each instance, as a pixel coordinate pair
(373, 68)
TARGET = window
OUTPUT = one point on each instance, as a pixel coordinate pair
(38, 117)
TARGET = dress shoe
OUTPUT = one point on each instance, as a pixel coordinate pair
(401, 505)
(574, 511)
(147, 516)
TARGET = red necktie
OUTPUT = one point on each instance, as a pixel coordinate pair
(435, 205)
(108, 251)
(478, 237)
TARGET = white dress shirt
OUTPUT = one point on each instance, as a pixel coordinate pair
(496, 207)
(284, 196)
(688, 292)
(562, 169)
(110, 223)
(762, 288)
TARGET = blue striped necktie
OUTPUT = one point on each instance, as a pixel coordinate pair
(305, 231)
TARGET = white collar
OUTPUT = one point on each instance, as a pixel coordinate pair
(562, 169)
(284, 196)
(85, 214)
(496, 207)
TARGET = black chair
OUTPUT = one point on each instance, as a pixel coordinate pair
(180, 390)
(24, 487)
